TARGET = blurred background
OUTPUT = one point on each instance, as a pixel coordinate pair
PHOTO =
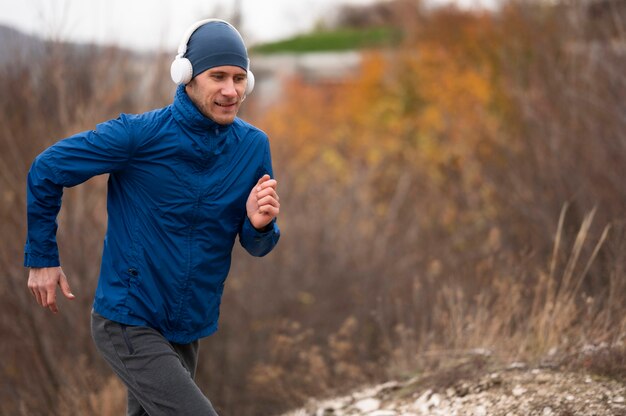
(451, 179)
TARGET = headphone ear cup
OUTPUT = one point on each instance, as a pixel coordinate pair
(249, 82)
(181, 70)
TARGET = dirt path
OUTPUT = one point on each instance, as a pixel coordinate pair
(512, 391)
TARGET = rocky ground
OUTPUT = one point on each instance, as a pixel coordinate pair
(513, 390)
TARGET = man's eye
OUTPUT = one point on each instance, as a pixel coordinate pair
(218, 77)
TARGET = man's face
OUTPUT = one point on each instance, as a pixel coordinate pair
(218, 92)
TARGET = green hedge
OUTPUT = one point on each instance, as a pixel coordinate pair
(336, 40)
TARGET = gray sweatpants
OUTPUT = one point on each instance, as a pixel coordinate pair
(158, 374)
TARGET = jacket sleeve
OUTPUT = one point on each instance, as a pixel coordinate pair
(67, 163)
(260, 242)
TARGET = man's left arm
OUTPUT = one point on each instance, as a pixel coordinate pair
(260, 233)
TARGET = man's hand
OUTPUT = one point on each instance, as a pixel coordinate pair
(43, 282)
(262, 205)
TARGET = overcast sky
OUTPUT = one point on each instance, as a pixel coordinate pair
(159, 24)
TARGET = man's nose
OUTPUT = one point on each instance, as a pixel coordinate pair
(228, 89)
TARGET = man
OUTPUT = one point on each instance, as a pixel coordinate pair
(185, 181)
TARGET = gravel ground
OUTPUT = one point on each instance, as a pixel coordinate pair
(513, 391)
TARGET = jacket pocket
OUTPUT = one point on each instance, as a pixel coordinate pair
(132, 275)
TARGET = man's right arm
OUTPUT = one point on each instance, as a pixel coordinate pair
(67, 163)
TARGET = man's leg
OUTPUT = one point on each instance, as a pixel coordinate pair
(188, 354)
(157, 378)
(134, 407)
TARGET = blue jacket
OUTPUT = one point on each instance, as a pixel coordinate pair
(176, 202)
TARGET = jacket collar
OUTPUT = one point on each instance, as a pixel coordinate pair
(186, 113)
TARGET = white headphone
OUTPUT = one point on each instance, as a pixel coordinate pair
(181, 70)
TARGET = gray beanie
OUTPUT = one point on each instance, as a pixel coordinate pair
(216, 44)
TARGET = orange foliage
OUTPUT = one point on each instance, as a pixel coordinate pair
(426, 108)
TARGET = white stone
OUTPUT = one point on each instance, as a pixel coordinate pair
(426, 394)
(518, 390)
(569, 397)
(480, 410)
(383, 413)
(618, 399)
(547, 411)
(435, 400)
(422, 403)
(367, 405)
(388, 385)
